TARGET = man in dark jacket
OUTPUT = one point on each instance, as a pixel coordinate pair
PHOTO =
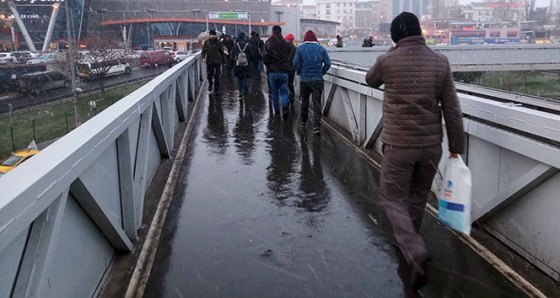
(258, 46)
(228, 43)
(311, 62)
(418, 89)
(213, 55)
(276, 56)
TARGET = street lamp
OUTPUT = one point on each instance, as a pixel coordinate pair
(278, 13)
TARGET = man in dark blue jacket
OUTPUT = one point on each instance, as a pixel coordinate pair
(311, 62)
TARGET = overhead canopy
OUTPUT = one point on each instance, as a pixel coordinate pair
(189, 20)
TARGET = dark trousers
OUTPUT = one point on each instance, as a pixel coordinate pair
(213, 71)
(404, 186)
(291, 76)
(315, 90)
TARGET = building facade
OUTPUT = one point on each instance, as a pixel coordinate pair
(342, 11)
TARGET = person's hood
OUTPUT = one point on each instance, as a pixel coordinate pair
(241, 37)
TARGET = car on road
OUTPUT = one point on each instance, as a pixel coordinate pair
(47, 58)
(179, 56)
(8, 58)
(39, 82)
(16, 159)
(155, 58)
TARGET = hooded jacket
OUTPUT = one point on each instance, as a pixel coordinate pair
(419, 88)
(242, 71)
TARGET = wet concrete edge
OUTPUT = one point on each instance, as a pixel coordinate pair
(117, 281)
(532, 274)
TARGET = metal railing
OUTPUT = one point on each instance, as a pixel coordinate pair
(65, 212)
(513, 151)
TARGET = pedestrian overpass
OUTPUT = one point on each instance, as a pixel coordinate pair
(163, 178)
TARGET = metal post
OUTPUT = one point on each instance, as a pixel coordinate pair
(22, 27)
(249, 22)
(207, 23)
(50, 29)
(34, 134)
(72, 63)
(13, 144)
(66, 118)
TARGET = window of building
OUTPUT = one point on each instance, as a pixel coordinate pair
(512, 34)
(494, 33)
(328, 12)
(328, 5)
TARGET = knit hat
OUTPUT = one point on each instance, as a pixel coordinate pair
(277, 30)
(405, 24)
(253, 34)
(310, 36)
(290, 37)
(212, 32)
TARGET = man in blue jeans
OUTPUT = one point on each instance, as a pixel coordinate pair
(276, 59)
(311, 62)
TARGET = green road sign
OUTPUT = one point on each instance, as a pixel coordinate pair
(228, 15)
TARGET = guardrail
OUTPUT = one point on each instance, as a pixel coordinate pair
(465, 58)
(65, 212)
(513, 152)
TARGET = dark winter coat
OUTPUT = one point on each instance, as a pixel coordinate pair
(292, 54)
(213, 51)
(276, 54)
(419, 87)
(242, 71)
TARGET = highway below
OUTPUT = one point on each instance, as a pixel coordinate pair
(19, 101)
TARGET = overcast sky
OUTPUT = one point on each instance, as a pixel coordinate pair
(540, 3)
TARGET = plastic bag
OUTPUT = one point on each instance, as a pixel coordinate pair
(455, 196)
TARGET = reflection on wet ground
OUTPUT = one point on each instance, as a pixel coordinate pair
(271, 210)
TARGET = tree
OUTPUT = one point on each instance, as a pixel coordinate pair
(103, 55)
(506, 10)
(530, 9)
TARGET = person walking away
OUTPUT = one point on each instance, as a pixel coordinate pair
(419, 88)
(276, 55)
(228, 43)
(213, 55)
(338, 41)
(291, 71)
(242, 53)
(311, 62)
(255, 42)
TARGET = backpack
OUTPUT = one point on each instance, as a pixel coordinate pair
(242, 57)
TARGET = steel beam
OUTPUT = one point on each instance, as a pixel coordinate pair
(159, 128)
(354, 130)
(126, 183)
(514, 191)
(100, 216)
(141, 162)
(44, 232)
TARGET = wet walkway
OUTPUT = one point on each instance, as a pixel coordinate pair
(268, 209)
